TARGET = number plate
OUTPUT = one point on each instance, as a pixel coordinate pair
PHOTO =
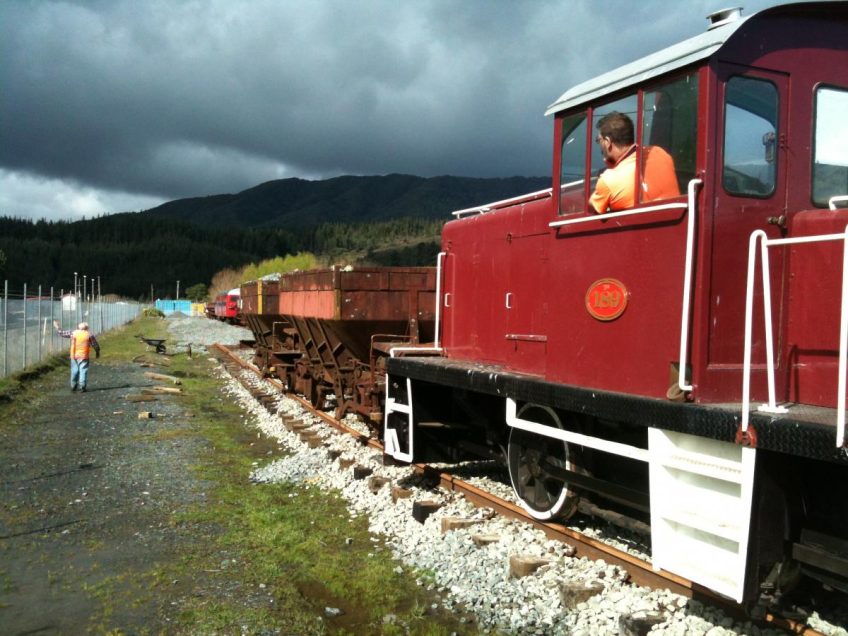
(606, 299)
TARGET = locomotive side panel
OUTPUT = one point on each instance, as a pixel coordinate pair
(533, 299)
(633, 352)
(814, 293)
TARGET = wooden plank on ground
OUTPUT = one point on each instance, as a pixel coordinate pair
(162, 377)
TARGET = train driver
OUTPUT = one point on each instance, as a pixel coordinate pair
(616, 187)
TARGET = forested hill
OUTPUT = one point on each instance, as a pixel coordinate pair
(392, 220)
(297, 202)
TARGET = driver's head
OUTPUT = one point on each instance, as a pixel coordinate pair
(617, 127)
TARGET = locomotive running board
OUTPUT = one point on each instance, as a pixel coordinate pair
(701, 492)
(390, 433)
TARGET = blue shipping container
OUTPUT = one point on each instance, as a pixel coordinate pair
(168, 307)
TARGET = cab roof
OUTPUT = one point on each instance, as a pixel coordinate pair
(673, 57)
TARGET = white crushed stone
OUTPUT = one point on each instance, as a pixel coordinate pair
(471, 578)
(203, 332)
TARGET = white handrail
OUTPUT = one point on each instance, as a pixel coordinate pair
(843, 349)
(487, 207)
(570, 184)
(749, 317)
(772, 407)
(613, 215)
(439, 260)
(687, 286)
(436, 348)
(834, 200)
(596, 443)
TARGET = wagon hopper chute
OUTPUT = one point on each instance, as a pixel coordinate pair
(275, 338)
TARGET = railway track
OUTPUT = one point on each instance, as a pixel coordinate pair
(639, 571)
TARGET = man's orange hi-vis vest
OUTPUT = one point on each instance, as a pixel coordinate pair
(80, 344)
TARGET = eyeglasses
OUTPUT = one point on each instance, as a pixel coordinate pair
(600, 138)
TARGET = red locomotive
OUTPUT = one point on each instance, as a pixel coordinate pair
(680, 359)
(621, 359)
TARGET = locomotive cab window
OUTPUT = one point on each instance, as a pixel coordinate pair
(750, 137)
(830, 157)
(630, 152)
(572, 188)
(612, 167)
(669, 138)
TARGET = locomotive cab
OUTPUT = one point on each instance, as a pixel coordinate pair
(683, 355)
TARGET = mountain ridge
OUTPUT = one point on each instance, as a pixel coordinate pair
(346, 199)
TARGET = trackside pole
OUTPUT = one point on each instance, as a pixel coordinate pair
(5, 328)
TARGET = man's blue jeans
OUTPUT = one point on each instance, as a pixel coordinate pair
(79, 373)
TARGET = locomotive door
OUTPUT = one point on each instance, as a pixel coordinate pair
(750, 195)
(526, 303)
(473, 312)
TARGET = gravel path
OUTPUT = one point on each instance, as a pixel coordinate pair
(87, 490)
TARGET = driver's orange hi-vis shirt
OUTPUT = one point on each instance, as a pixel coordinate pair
(616, 187)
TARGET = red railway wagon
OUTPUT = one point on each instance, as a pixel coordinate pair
(227, 306)
(345, 320)
(682, 359)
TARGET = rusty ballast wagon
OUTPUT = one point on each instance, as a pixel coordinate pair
(274, 336)
(346, 321)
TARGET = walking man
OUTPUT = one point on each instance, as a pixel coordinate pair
(82, 342)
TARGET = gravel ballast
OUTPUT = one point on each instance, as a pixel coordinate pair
(565, 595)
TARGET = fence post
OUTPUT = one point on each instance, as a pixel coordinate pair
(52, 318)
(5, 328)
(23, 366)
(39, 332)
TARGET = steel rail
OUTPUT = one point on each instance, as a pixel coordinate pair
(639, 572)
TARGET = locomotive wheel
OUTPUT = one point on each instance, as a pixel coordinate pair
(530, 456)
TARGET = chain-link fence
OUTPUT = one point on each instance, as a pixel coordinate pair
(27, 334)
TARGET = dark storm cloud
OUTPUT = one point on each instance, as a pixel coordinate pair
(166, 99)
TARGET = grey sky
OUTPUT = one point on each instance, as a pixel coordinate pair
(114, 105)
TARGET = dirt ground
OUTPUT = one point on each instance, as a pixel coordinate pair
(87, 490)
